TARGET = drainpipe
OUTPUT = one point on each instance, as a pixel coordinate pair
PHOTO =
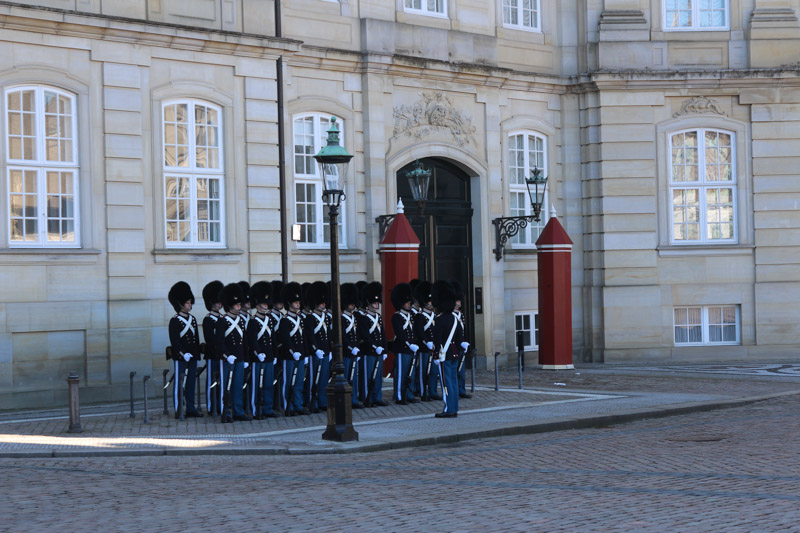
(281, 155)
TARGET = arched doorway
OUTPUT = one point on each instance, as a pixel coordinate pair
(445, 227)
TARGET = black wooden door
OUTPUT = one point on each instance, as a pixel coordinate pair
(444, 228)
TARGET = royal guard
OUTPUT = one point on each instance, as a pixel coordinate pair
(361, 314)
(230, 337)
(464, 346)
(293, 347)
(211, 297)
(415, 309)
(259, 340)
(448, 336)
(405, 346)
(248, 357)
(317, 327)
(373, 339)
(276, 313)
(185, 340)
(351, 350)
(423, 333)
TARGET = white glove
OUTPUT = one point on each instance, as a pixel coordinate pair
(246, 365)
(384, 357)
(187, 356)
(231, 359)
(378, 350)
(261, 357)
(330, 356)
(358, 359)
(429, 344)
(354, 351)
(442, 357)
(414, 347)
(296, 356)
(320, 354)
(275, 361)
(465, 345)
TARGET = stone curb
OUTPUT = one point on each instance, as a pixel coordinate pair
(559, 424)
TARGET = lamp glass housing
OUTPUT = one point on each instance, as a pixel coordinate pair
(333, 161)
(419, 179)
(537, 184)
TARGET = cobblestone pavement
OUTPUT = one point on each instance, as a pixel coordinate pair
(729, 470)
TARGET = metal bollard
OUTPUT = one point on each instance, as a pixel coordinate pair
(144, 382)
(519, 365)
(74, 403)
(199, 404)
(496, 382)
(521, 347)
(472, 370)
(133, 415)
(164, 374)
(181, 388)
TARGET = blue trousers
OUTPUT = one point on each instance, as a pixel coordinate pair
(179, 368)
(435, 377)
(351, 369)
(293, 394)
(256, 384)
(402, 361)
(322, 368)
(213, 373)
(449, 376)
(366, 370)
(237, 404)
(462, 375)
(425, 383)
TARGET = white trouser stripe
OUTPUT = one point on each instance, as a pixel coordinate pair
(399, 377)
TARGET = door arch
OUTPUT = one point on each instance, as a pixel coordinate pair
(444, 227)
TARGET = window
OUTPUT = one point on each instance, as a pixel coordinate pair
(427, 7)
(702, 187)
(521, 14)
(42, 167)
(706, 325)
(526, 151)
(527, 322)
(310, 135)
(193, 175)
(695, 14)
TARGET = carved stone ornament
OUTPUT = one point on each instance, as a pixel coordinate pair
(433, 113)
(699, 105)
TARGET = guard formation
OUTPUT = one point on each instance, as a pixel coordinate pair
(269, 347)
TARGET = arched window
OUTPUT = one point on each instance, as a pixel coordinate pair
(702, 187)
(194, 180)
(42, 167)
(526, 151)
(310, 135)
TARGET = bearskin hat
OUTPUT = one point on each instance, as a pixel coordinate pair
(443, 296)
(276, 290)
(231, 295)
(211, 293)
(360, 287)
(260, 293)
(179, 294)
(245, 286)
(317, 293)
(291, 292)
(401, 293)
(348, 294)
(303, 288)
(459, 290)
(373, 292)
(422, 292)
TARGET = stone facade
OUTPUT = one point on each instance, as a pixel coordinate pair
(607, 84)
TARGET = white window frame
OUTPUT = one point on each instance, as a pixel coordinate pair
(526, 238)
(193, 173)
(321, 220)
(41, 166)
(424, 9)
(533, 330)
(705, 325)
(509, 6)
(702, 185)
(696, 10)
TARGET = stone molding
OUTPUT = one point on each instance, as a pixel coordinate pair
(622, 16)
(700, 105)
(772, 15)
(432, 113)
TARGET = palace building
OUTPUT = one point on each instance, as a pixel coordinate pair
(150, 141)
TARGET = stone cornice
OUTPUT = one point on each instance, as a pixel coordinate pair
(729, 80)
(14, 16)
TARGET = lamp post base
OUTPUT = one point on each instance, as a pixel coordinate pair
(340, 412)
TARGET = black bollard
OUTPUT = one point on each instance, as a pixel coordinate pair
(133, 415)
(496, 382)
(519, 366)
(74, 403)
(181, 389)
(164, 374)
(472, 369)
(521, 347)
(198, 404)
(144, 382)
